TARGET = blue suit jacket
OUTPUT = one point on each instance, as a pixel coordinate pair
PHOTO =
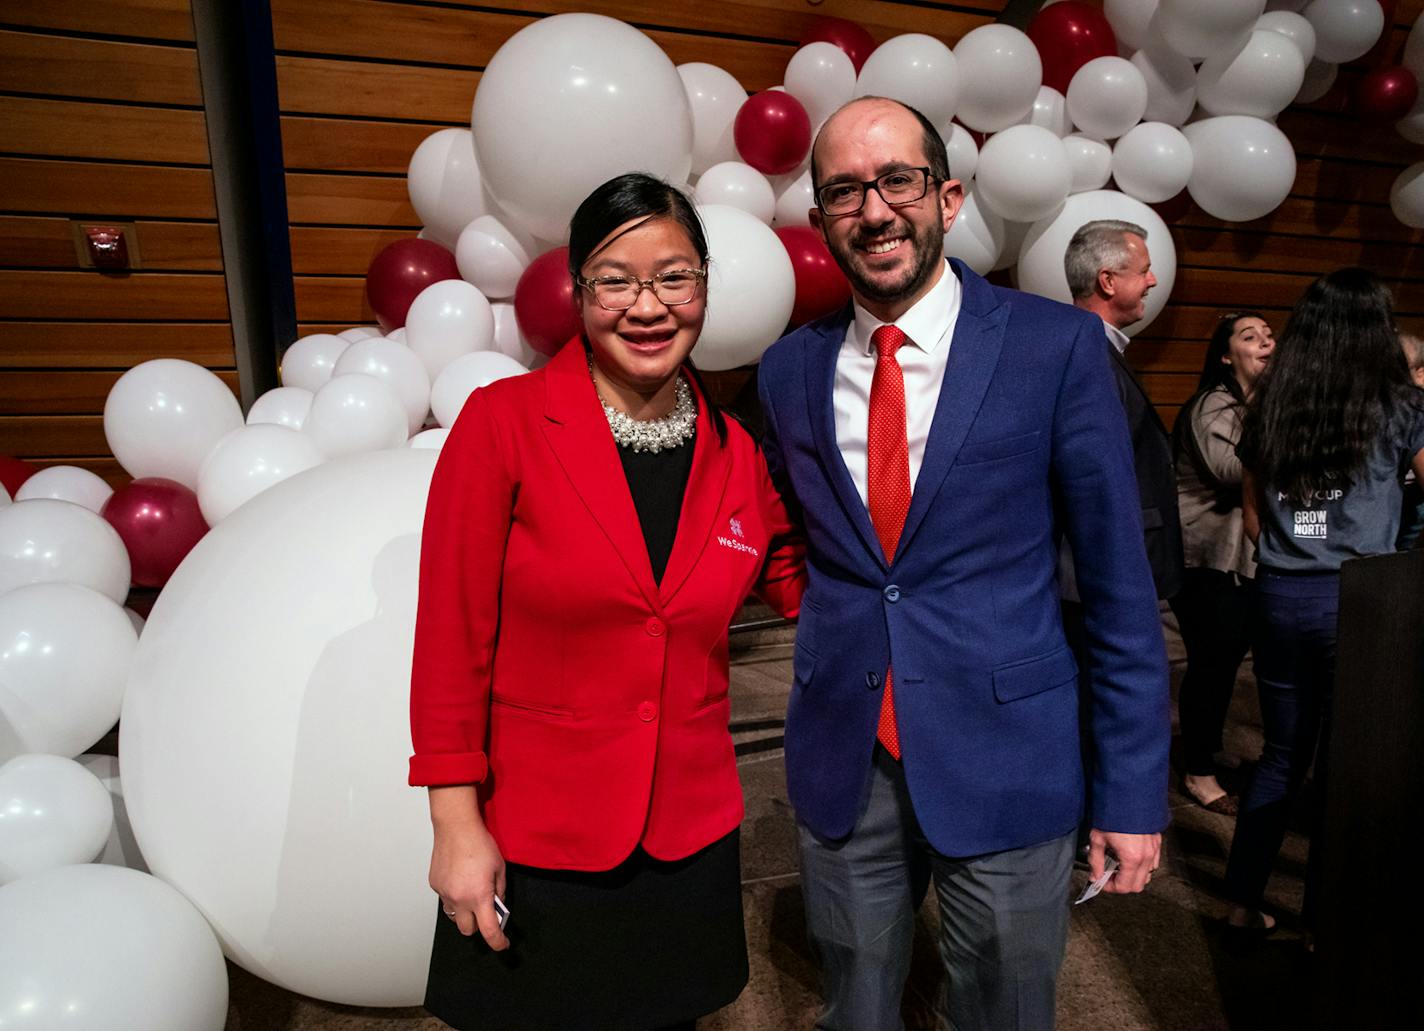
(1028, 442)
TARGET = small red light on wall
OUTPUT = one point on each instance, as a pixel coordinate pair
(106, 246)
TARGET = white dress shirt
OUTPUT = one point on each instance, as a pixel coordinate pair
(1116, 337)
(929, 326)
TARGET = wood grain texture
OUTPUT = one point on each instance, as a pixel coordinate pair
(117, 345)
(91, 295)
(28, 436)
(67, 393)
(317, 250)
(350, 200)
(138, 19)
(95, 69)
(86, 189)
(51, 128)
(47, 243)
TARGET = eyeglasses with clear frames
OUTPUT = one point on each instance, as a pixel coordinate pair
(902, 186)
(619, 293)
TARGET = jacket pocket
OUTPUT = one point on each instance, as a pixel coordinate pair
(1034, 676)
(994, 450)
(536, 709)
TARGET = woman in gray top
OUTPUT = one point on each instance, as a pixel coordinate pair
(1212, 605)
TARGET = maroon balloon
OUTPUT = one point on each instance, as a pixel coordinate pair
(544, 303)
(1069, 35)
(159, 521)
(1386, 94)
(400, 272)
(14, 472)
(850, 37)
(821, 286)
(772, 132)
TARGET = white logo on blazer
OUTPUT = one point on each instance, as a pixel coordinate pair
(735, 525)
(737, 541)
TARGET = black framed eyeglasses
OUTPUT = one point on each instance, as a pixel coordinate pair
(902, 186)
(619, 293)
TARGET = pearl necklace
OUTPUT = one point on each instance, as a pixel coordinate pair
(654, 435)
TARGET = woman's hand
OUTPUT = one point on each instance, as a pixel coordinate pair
(466, 869)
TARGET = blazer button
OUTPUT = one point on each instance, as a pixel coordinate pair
(647, 712)
(656, 627)
(872, 680)
(892, 593)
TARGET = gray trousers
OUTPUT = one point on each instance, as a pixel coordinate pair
(1003, 919)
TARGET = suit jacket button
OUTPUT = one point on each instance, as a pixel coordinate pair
(647, 712)
(656, 627)
(892, 593)
(872, 680)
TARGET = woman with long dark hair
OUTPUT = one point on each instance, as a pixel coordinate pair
(591, 530)
(1333, 428)
(1212, 606)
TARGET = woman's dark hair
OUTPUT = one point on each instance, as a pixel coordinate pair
(621, 200)
(1335, 380)
(1215, 373)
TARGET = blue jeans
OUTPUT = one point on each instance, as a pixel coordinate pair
(1293, 641)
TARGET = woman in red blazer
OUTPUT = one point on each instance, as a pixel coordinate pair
(591, 530)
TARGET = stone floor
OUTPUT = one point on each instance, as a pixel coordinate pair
(1158, 960)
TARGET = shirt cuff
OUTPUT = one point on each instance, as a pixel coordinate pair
(450, 768)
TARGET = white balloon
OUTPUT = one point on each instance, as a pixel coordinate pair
(309, 362)
(1243, 167)
(1089, 161)
(1171, 81)
(1000, 74)
(356, 333)
(282, 406)
(446, 186)
(822, 77)
(1196, 28)
(795, 197)
(567, 103)
(1129, 20)
(1293, 27)
(962, 151)
(448, 319)
(463, 377)
(164, 415)
(55, 812)
(1413, 58)
(1014, 235)
(430, 439)
(247, 462)
(1107, 97)
(977, 235)
(1406, 196)
(104, 947)
(737, 185)
(1050, 111)
(5, 498)
(1259, 80)
(1345, 29)
(48, 541)
(355, 413)
(1023, 172)
(398, 367)
(1411, 126)
(292, 755)
(67, 483)
(1152, 162)
(1040, 268)
(120, 849)
(492, 257)
(135, 619)
(507, 338)
(64, 657)
(397, 334)
(715, 98)
(914, 69)
(1319, 77)
(751, 288)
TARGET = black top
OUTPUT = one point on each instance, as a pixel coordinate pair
(657, 482)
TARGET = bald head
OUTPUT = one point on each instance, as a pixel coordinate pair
(867, 117)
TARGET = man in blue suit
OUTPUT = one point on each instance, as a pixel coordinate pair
(937, 438)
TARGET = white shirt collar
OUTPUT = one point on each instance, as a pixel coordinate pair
(1119, 339)
(926, 323)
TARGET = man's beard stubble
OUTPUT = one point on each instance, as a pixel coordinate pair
(928, 242)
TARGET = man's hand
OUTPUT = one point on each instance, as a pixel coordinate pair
(1137, 855)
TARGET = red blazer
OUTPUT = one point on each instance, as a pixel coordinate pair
(589, 702)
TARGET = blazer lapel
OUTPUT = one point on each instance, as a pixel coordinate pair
(701, 502)
(1131, 375)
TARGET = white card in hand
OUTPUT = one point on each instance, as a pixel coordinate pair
(1091, 891)
(501, 911)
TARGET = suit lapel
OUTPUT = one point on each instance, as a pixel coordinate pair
(706, 486)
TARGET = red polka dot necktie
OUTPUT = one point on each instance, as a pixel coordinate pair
(887, 486)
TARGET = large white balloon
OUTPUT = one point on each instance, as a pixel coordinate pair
(822, 77)
(1319, 77)
(962, 151)
(164, 415)
(90, 947)
(1242, 167)
(1293, 27)
(398, 367)
(1413, 58)
(308, 363)
(1089, 161)
(120, 849)
(1344, 29)
(1196, 28)
(999, 74)
(356, 333)
(281, 406)
(1107, 97)
(738, 185)
(355, 413)
(492, 257)
(64, 658)
(507, 338)
(1023, 172)
(1259, 80)
(1152, 162)
(795, 197)
(715, 98)
(55, 812)
(1171, 81)
(1050, 110)
(977, 235)
(463, 377)
(1040, 268)
(247, 462)
(48, 541)
(1406, 196)
(1130, 20)
(292, 756)
(448, 319)
(751, 288)
(445, 184)
(67, 483)
(432, 440)
(567, 103)
(914, 69)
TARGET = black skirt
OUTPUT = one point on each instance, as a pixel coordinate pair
(642, 946)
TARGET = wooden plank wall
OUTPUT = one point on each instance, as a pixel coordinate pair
(103, 119)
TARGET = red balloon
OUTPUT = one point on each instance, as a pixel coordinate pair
(821, 286)
(400, 272)
(159, 521)
(14, 472)
(1069, 35)
(1386, 94)
(544, 303)
(850, 37)
(772, 132)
